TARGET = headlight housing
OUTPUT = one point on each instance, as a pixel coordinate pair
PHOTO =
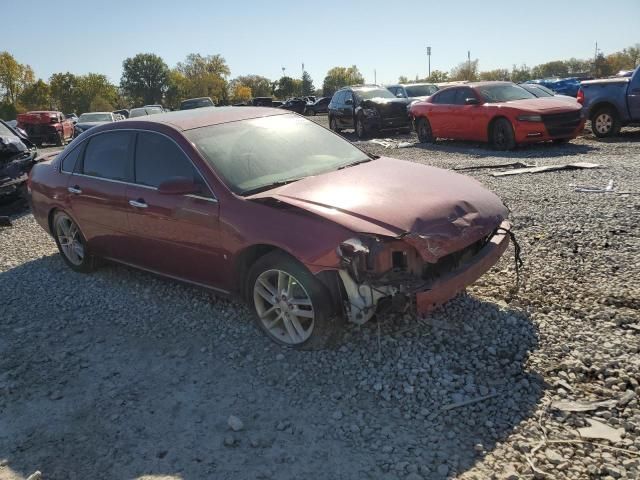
(529, 118)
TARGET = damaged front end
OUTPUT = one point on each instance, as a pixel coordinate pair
(17, 156)
(413, 271)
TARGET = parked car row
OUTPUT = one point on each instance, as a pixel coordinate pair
(17, 156)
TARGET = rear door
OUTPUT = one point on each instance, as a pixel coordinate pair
(97, 187)
(177, 235)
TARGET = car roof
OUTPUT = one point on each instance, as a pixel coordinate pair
(485, 84)
(108, 113)
(196, 98)
(204, 117)
(414, 84)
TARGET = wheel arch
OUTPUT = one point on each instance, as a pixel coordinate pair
(593, 109)
(492, 123)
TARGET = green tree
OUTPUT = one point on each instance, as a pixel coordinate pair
(206, 76)
(465, 71)
(260, 86)
(557, 68)
(576, 65)
(36, 96)
(602, 68)
(307, 84)
(403, 79)
(64, 91)
(286, 87)
(339, 77)
(437, 76)
(520, 74)
(95, 90)
(144, 78)
(496, 74)
(177, 89)
(240, 93)
(14, 77)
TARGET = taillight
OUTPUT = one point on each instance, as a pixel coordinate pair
(580, 97)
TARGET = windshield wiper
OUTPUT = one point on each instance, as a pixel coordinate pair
(357, 162)
(269, 186)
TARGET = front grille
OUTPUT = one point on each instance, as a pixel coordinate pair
(449, 263)
(561, 123)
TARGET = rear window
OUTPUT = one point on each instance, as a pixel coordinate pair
(198, 103)
(108, 156)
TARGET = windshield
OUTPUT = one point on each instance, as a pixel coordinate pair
(95, 117)
(5, 131)
(498, 93)
(420, 90)
(538, 90)
(255, 153)
(369, 93)
(139, 112)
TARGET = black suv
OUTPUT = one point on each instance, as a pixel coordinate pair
(368, 109)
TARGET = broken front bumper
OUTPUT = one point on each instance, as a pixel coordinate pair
(448, 286)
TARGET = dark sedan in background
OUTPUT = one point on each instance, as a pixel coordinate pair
(319, 106)
(368, 109)
(413, 91)
(297, 105)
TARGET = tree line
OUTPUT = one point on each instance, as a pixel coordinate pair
(147, 79)
(598, 67)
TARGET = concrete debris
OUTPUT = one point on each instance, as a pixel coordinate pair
(575, 406)
(601, 431)
(548, 168)
(235, 423)
(590, 189)
(498, 165)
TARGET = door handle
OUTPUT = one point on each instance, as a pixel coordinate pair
(75, 190)
(140, 203)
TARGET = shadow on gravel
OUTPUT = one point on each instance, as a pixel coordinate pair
(118, 374)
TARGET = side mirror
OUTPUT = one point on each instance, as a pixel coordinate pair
(348, 101)
(471, 101)
(399, 95)
(178, 186)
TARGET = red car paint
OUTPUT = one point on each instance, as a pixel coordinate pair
(473, 122)
(46, 126)
(204, 241)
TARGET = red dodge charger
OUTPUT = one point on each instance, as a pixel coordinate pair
(501, 113)
(270, 206)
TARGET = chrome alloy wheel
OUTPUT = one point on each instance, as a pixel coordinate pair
(70, 239)
(283, 306)
(603, 123)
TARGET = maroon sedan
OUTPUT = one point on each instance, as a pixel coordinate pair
(268, 205)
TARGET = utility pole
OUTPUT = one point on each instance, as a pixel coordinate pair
(429, 62)
(375, 77)
(595, 59)
(283, 71)
(469, 64)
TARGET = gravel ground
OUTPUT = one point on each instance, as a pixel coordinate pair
(121, 374)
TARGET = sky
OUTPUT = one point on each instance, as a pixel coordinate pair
(261, 37)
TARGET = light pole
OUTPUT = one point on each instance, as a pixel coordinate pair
(429, 61)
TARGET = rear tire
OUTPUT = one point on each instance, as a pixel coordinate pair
(605, 123)
(277, 287)
(72, 244)
(502, 136)
(423, 128)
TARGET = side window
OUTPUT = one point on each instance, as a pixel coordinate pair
(70, 161)
(446, 97)
(463, 94)
(339, 98)
(393, 90)
(158, 159)
(108, 155)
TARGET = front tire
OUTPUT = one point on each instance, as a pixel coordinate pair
(290, 304)
(71, 243)
(423, 128)
(360, 128)
(605, 123)
(502, 136)
(333, 125)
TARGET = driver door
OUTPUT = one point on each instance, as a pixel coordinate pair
(176, 235)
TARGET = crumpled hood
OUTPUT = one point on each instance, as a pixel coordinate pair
(438, 211)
